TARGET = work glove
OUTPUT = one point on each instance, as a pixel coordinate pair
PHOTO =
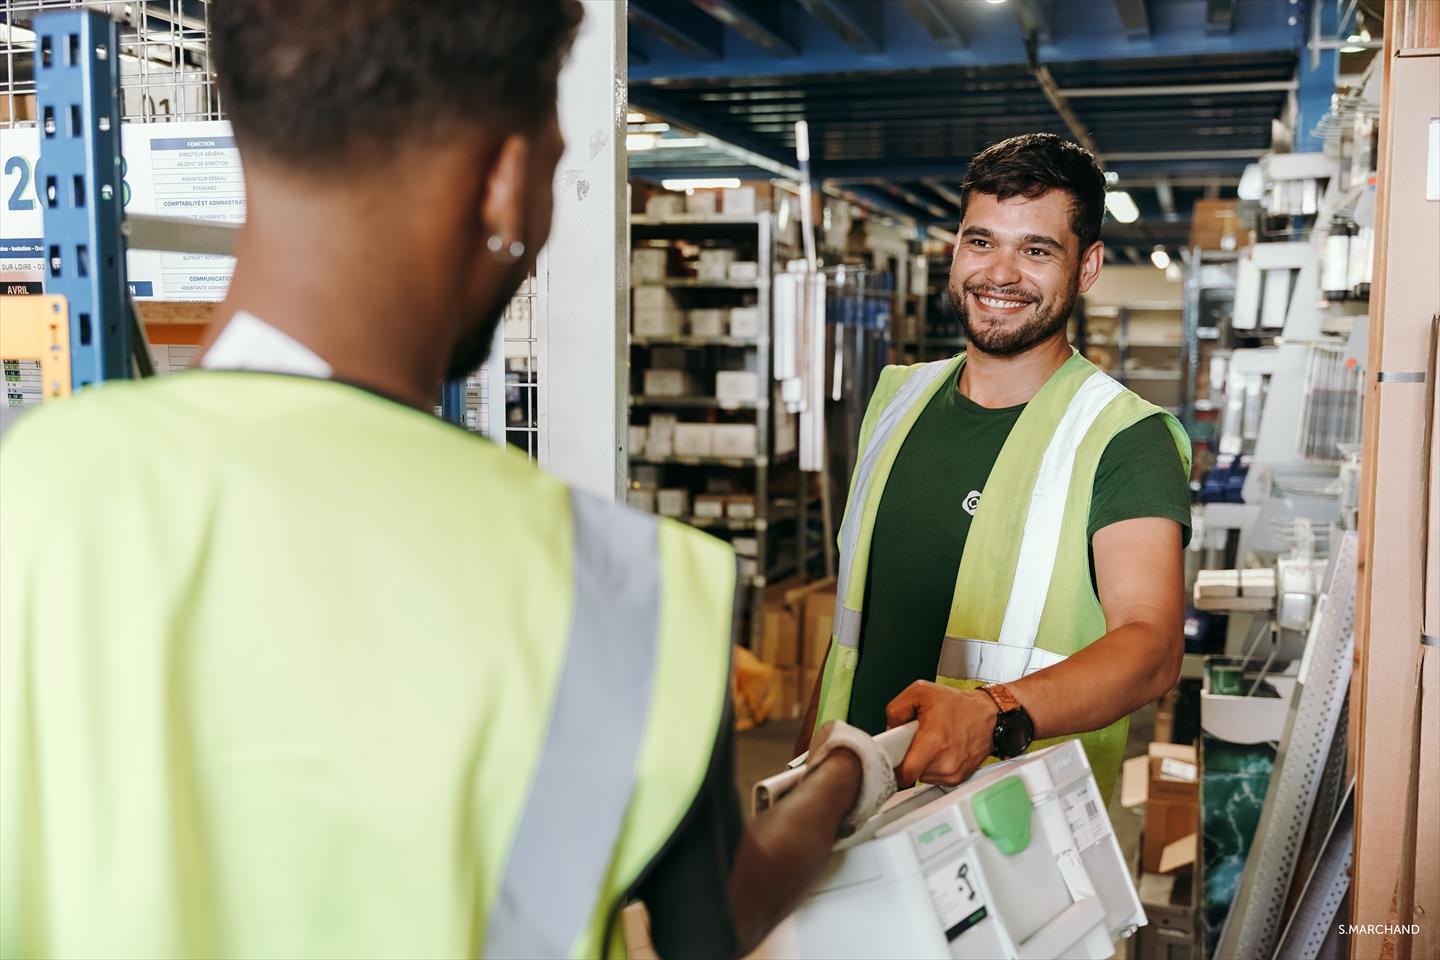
(877, 776)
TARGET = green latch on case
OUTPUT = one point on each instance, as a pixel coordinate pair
(1003, 812)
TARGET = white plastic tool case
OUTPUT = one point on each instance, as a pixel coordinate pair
(1019, 861)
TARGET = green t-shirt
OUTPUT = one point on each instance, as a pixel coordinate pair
(924, 518)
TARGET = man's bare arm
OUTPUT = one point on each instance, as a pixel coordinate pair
(784, 849)
(1139, 570)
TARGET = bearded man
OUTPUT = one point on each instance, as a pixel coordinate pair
(1011, 569)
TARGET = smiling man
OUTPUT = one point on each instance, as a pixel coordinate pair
(1011, 569)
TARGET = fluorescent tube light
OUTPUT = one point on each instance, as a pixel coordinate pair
(716, 183)
(1122, 206)
(1159, 257)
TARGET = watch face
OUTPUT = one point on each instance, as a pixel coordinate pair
(1013, 733)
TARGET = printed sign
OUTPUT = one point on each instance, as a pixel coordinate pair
(189, 170)
(955, 890)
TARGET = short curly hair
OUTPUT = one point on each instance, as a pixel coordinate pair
(1032, 163)
(321, 83)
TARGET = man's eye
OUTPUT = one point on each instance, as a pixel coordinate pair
(978, 243)
(1038, 252)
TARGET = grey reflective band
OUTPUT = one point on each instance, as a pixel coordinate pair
(1427, 640)
(1400, 376)
(847, 624)
(990, 662)
(890, 418)
(566, 837)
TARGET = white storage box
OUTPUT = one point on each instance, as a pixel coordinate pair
(740, 507)
(708, 323)
(734, 439)
(738, 201)
(668, 383)
(661, 441)
(654, 299)
(714, 263)
(645, 476)
(702, 202)
(665, 205)
(734, 387)
(694, 439)
(745, 322)
(647, 264)
(1019, 862)
(661, 322)
(636, 437)
(746, 546)
(744, 271)
(641, 499)
(672, 502)
(709, 506)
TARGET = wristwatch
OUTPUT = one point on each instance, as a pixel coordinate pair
(1014, 730)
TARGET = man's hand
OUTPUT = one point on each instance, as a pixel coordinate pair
(956, 727)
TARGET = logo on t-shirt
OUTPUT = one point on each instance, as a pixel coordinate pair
(972, 502)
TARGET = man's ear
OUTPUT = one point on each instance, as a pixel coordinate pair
(502, 200)
(1090, 265)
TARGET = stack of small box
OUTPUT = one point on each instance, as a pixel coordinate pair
(795, 637)
(1166, 780)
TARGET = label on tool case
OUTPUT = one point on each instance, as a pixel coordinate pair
(955, 891)
(1086, 815)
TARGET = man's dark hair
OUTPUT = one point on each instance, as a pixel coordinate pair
(1029, 165)
(314, 83)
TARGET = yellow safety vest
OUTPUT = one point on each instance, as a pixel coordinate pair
(288, 669)
(1023, 598)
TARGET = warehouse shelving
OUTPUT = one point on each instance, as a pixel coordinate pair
(704, 355)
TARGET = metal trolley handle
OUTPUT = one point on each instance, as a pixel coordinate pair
(768, 792)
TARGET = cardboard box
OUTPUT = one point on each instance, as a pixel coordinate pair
(779, 634)
(714, 263)
(738, 201)
(746, 546)
(819, 622)
(1167, 781)
(669, 383)
(665, 205)
(790, 704)
(645, 476)
(702, 202)
(694, 440)
(24, 108)
(745, 322)
(1210, 222)
(744, 271)
(672, 502)
(661, 441)
(641, 499)
(664, 322)
(709, 506)
(734, 439)
(740, 507)
(654, 298)
(734, 387)
(635, 438)
(708, 323)
(648, 264)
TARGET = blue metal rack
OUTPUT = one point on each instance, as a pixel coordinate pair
(78, 84)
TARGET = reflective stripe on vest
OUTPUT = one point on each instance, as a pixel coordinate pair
(847, 621)
(583, 782)
(991, 662)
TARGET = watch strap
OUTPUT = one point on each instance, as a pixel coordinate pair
(1004, 700)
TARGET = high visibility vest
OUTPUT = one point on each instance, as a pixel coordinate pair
(1023, 596)
(291, 670)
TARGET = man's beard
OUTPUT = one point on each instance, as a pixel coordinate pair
(1046, 321)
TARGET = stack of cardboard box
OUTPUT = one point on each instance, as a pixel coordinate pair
(795, 636)
(1167, 781)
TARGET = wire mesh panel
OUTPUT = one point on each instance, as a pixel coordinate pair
(515, 360)
(164, 59)
(1331, 415)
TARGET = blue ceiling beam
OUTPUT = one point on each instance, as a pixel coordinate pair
(1078, 32)
(1135, 18)
(1317, 74)
(756, 20)
(847, 171)
(694, 35)
(860, 23)
(1219, 16)
(941, 20)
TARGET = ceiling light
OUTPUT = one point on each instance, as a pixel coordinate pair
(15, 34)
(640, 141)
(675, 142)
(716, 183)
(994, 1)
(1356, 38)
(650, 128)
(1351, 48)
(635, 118)
(1252, 183)
(1159, 257)
(1173, 273)
(1122, 206)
